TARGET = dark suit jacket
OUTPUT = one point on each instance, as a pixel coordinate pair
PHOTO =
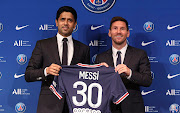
(44, 54)
(138, 62)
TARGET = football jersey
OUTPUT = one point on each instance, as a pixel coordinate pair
(89, 88)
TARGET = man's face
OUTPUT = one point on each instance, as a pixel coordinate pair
(66, 23)
(118, 33)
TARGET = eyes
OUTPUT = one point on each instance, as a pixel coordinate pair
(66, 19)
(121, 28)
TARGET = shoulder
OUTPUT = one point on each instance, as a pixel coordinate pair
(47, 40)
(76, 42)
(107, 52)
(135, 50)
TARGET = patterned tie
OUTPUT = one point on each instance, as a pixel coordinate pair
(65, 50)
(119, 58)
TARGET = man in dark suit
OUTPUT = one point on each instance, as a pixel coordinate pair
(47, 58)
(133, 66)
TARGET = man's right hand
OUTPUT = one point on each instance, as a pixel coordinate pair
(53, 69)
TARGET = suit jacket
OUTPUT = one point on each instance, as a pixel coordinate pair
(44, 54)
(138, 62)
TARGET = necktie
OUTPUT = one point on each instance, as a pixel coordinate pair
(65, 50)
(119, 58)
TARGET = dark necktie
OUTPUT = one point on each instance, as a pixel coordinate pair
(65, 50)
(119, 58)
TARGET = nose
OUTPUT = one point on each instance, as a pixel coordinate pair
(66, 22)
(119, 31)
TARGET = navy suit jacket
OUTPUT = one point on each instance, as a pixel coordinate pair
(138, 62)
(44, 54)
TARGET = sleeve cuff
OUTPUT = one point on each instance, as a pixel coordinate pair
(129, 77)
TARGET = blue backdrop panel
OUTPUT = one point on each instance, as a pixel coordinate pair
(154, 27)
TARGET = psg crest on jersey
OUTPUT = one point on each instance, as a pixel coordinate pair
(98, 6)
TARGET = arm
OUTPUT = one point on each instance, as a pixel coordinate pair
(142, 75)
(35, 70)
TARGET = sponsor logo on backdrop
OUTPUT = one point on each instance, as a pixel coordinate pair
(47, 27)
(148, 26)
(98, 6)
(21, 59)
(147, 43)
(173, 92)
(20, 92)
(21, 27)
(94, 58)
(172, 27)
(18, 76)
(21, 43)
(96, 27)
(146, 92)
(174, 108)
(152, 74)
(150, 109)
(2, 59)
(173, 43)
(172, 76)
(0, 75)
(174, 59)
(1, 41)
(1, 109)
(1, 26)
(153, 59)
(20, 107)
(76, 28)
(97, 43)
(130, 27)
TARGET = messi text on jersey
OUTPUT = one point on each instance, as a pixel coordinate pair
(88, 75)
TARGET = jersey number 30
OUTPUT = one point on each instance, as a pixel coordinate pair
(82, 93)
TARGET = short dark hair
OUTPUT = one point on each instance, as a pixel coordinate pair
(117, 18)
(66, 9)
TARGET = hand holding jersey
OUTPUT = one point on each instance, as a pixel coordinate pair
(53, 69)
(120, 68)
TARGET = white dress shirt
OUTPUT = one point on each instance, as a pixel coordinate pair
(60, 49)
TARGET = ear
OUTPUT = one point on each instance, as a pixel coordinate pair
(109, 33)
(75, 25)
(56, 23)
(128, 33)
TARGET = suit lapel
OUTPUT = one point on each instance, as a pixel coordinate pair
(54, 50)
(109, 57)
(128, 55)
(76, 51)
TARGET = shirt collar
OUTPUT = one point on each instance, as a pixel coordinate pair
(123, 50)
(60, 38)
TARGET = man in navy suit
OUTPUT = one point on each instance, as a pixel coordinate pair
(46, 60)
(133, 66)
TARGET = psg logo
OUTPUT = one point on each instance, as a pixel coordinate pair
(174, 108)
(1, 27)
(21, 59)
(20, 107)
(94, 58)
(98, 6)
(148, 26)
(174, 59)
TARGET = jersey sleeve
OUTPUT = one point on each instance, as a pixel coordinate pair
(119, 91)
(57, 87)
